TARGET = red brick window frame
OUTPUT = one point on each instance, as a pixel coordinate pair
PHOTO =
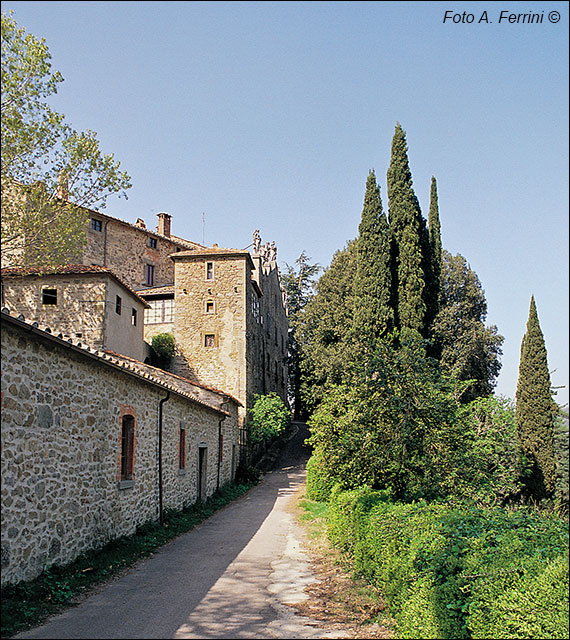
(182, 449)
(127, 459)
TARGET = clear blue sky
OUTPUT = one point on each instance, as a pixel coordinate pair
(269, 115)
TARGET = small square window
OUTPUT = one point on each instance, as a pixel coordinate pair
(152, 243)
(209, 340)
(134, 317)
(209, 306)
(49, 296)
(96, 225)
(118, 305)
(209, 270)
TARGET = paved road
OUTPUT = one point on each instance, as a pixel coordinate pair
(230, 577)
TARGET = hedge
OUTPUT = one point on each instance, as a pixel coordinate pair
(458, 572)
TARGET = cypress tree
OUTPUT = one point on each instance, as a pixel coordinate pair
(435, 253)
(373, 315)
(535, 410)
(406, 225)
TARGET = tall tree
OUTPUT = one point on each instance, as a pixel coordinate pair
(50, 172)
(435, 255)
(467, 348)
(325, 329)
(373, 313)
(406, 224)
(299, 284)
(535, 410)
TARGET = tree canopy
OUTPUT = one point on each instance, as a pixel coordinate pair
(467, 348)
(373, 310)
(535, 410)
(50, 172)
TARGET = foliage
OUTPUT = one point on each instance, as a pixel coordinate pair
(383, 428)
(435, 255)
(458, 573)
(561, 443)
(467, 348)
(29, 603)
(163, 348)
(373, 309)
(319, 483)
(535, 410)
(299, 287)
(487, 463)
(325, 328)
(407, 224)
(50, 172)
(269, 417)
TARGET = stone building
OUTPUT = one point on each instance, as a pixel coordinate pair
(81, 432)
(137, 255)
(225, 307)
(81, 302)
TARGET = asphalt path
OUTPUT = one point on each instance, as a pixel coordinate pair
(230, 577)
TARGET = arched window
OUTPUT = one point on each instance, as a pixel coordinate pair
(127, 447)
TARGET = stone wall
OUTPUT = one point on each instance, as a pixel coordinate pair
(124, 248)
(212, 307)
(61, 445)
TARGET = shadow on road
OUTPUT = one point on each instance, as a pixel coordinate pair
(157, 596)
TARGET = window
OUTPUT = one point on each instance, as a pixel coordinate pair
(182, 449)
(160, 311)
(152, 243)
(209, 270)
(134, 317)
(149, 274)
(209, 340)
(118, 305)
(96, 225)
(127, 447)
(49, 296)
(209, 306)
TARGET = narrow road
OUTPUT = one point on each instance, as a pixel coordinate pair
(230, 577)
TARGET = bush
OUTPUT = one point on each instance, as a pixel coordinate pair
(319, 485)
(269, 417)
(162, 350)
(458, 572)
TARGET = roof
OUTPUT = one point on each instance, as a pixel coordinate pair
(174, 239)
(214, 252)
(161, 373)
(159, 290)
(130, 367)
(69, 270)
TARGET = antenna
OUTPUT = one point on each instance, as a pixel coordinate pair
(203, 228)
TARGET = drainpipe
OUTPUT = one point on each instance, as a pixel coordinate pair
(160, 509)
(226, 401)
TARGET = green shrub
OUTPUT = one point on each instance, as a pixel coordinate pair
(464, 572)
(319, 484)
(269, 417)
(162, 350)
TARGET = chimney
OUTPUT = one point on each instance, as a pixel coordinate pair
(63, 186)
(164, 224)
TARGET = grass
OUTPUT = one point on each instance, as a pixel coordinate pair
(338, 596)
(28, 604)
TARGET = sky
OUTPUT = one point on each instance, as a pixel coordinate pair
(236, 116)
